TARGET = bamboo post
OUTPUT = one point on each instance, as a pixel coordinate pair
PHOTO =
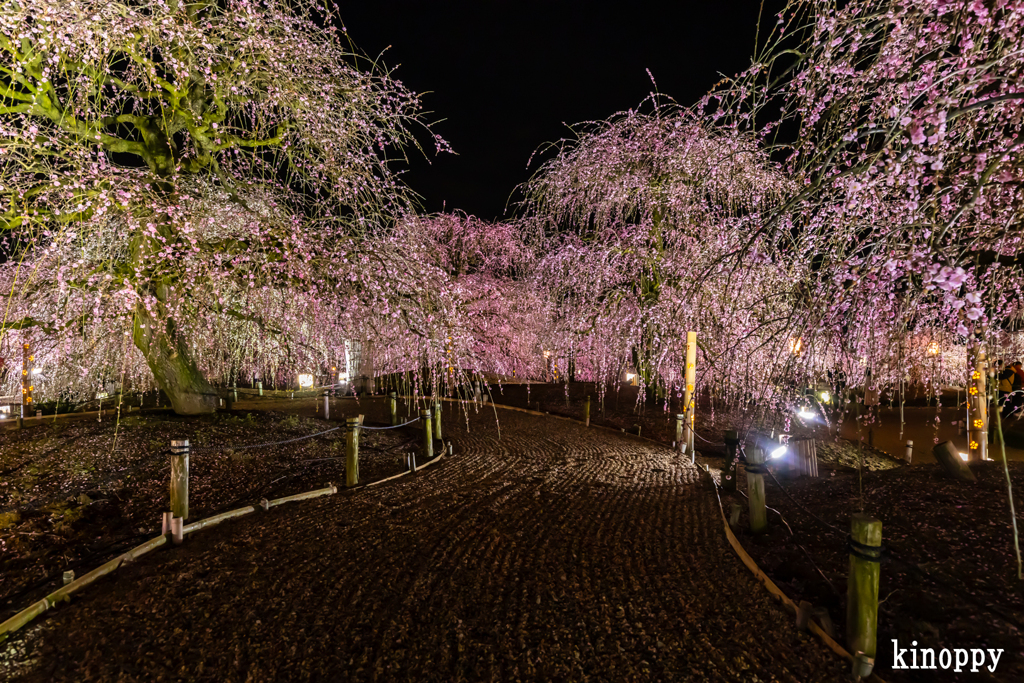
(352, 451)
(393, 406)
(437, 420)
(755, 490)
(689, 397)
(234, 390)
(586, 411)
(732, 444)
(260, 385)
(680, 434)
(179, 478)
(910, 452)
(978, 406)
(327, 407)
(428, 438)
(862, 587)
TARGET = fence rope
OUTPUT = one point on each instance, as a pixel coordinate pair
(988, 607)
(391, 427)
(263, 445)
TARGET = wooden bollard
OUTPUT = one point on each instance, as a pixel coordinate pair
(177, 530)
(862, 588)
(165, 523)
(910, 452)
(755, 490)
(586, 412)
(680, 440)
(732, 456)
(352, 451)
(393, 405)
(734, 516)
(179, 478)
(428, 437)
(437, 420)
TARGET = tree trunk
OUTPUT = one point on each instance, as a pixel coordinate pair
(172, 365)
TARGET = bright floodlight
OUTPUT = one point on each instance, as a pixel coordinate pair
(305, 380)
(964, 456)
(342, 376)
(36, 371)
(630, 376)
(778, 452)
(806, 414)
(826, 397)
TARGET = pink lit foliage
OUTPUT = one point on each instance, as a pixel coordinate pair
(644, 210)
(901, 124)
(488, 318)
(207, 180)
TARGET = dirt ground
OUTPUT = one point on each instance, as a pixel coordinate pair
(548, 552)
(75, 494)
(951, 580)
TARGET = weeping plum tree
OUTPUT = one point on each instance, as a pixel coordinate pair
(496, 318)
(901, 123)
(194, 176)
(643, 207)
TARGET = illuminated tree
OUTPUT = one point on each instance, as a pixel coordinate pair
(644, 207)
(901, 124)
(205, 177)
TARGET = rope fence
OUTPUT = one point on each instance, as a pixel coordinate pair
(883, 553)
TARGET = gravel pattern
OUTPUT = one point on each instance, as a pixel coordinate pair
(552, 553)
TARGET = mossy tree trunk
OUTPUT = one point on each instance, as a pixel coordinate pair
(173, 366)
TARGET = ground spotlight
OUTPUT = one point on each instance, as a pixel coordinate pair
(778, 452)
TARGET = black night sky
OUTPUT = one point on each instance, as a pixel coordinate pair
(506, 75)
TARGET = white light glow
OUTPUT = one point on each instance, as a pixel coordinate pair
(5, 410)
(964, 456)
(778, 452)
(342, 376)
(305, 380)
(630, 376)
(826, 397)
(36, 371)
(806, 414)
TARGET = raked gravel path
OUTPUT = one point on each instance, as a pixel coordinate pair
(556, 553)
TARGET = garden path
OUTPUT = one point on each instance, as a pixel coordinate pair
(553, 553)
